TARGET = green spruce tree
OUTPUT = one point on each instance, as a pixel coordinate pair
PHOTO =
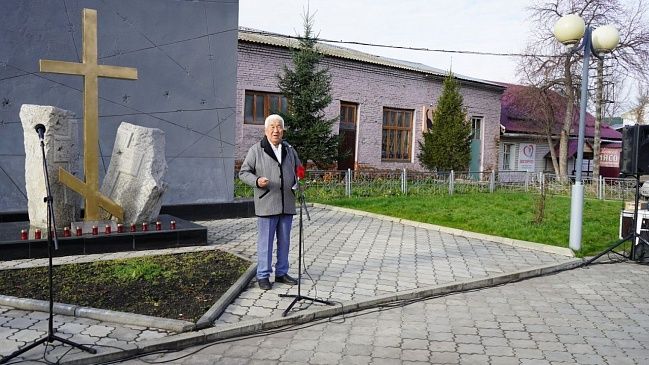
(447, 144)
(307, 88)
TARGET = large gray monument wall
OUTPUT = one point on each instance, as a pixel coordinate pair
(185, 53)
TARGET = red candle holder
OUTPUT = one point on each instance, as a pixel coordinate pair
(107, 229)
(145, 226)
(120, 228)
(24, 235)
(95, 230)
(79, 231)
(66, 232)
(37, 234)
(158, 226)
(172, 224)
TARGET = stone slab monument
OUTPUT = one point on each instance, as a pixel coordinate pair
(135, 177)
(62, 150)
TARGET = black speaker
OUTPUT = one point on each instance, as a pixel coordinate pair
(634, 158)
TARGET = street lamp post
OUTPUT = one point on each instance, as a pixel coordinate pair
(569, 30)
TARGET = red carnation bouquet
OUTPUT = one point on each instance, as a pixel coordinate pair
(300, 172)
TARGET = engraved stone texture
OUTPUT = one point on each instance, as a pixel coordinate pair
(135, 177)
(62, 150)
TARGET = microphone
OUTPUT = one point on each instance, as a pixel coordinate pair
(40, 129)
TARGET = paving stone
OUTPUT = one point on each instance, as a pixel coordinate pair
(72, 328)
(325, 358)
(355, 359)
(240, 351)
(98, 331)
(19, 322)
(124, 334)
(150, 335)
(470, 349)
(354, 350)
(415, 355)
(502, 360)
(26, 336)
(273, 353)
(386, 352)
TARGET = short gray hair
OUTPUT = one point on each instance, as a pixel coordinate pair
(274, 117)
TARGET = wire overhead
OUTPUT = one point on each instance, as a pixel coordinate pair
(440, 50)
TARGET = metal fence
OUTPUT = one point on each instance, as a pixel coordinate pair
(324, 185)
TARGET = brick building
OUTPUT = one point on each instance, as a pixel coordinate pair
(383, 102)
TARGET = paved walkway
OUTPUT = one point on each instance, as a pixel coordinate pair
(356, 259)
(593, 315)
(352, 256)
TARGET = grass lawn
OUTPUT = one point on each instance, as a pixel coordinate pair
(180, 286)
(502, 214)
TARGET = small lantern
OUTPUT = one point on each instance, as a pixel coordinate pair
(158, 226)
(37, 234)
(95, 230)
(172, 225)
(107, 229)
(66, 232)
(79, 231)
(145, 226)
(133, 228)
(24, 235)
(120, 228)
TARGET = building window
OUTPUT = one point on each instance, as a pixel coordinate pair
(397, 135)
(347, 116)
(508, 156)
(259, 105)
(476, 127)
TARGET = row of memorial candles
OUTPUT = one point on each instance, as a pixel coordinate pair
(24, 234)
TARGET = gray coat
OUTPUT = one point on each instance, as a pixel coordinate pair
(278, 197)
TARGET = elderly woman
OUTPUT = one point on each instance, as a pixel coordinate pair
(270, 168)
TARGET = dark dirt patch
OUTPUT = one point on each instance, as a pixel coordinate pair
(179, 286)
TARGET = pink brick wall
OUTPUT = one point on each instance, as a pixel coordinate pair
(372, 87)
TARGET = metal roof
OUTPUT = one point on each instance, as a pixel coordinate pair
(273, 39)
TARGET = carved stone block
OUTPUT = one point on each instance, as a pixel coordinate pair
(135, 177)
(62, 149)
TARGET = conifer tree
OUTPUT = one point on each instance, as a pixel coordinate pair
(307, 88)
(447, 144)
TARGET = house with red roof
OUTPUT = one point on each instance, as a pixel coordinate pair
(526, 123)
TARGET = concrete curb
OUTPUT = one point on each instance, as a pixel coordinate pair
(563, 251)
(127, 318)
(219, 307)
(221, 332)
(98, 314)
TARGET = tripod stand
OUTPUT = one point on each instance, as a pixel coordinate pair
(297, 297)
(633, 237)
(51, 239)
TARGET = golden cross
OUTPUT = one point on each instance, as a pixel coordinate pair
(91, 72)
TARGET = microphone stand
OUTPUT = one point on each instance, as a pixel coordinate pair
(51, 239)
(297, 297)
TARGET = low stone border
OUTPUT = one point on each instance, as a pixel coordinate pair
(105, 315)
(563, 251)
(219, 307)
(226, 331)
(141, 320)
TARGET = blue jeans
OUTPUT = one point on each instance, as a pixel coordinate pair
(268, 228)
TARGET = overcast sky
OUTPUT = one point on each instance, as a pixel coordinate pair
(500, 26)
